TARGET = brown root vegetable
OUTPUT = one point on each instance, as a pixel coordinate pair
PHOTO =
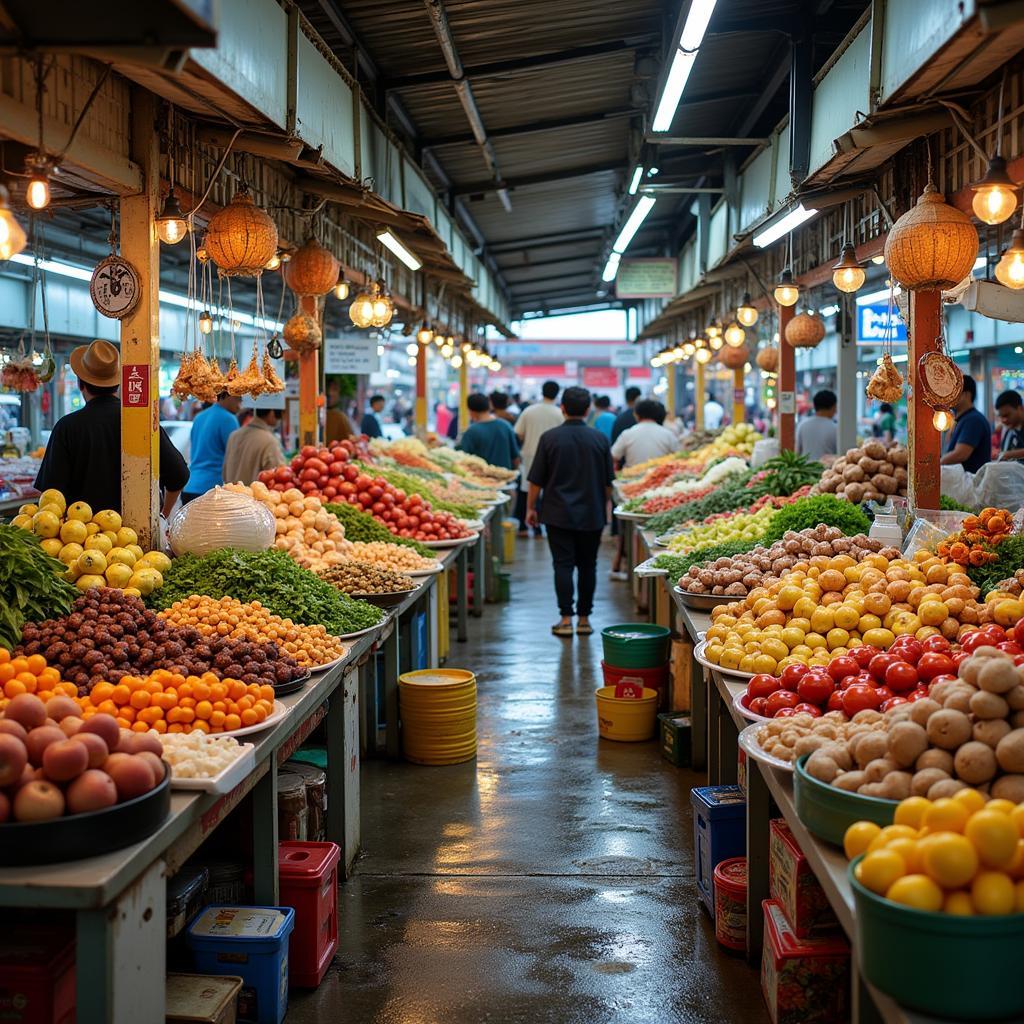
(922, 710)
(948, 729)
(853, 474)
(947, 787)
(875, 450)
(1009, 787)
(975, 763)
(959, 698)
(990, 731)
(850, 781)
(923, 780)
(878, 769)
(821, 767)
(998, 676)
(896, 785)
(1010, 752)
(988, 705)
(907, 741)
(870, 747)
(1015, 697)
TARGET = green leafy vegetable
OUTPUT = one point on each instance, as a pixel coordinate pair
(31, 588)
(1010, 558)
(361, 526)
(784, 474)
(819, 508)
(949, 505)
(270, 577)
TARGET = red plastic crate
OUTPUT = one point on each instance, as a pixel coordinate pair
(37, 975)
(308, 875)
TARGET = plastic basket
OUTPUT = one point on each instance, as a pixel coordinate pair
(828, 812)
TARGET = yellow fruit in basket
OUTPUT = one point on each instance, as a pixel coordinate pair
(52, 546)
(92, 529)
(146, 580)
(135, 550)
(804, 609)
(125, 536)
(822, 619)
(992, 893)
(1017, 817)
(72, 572)
(917, 891)
(133, 591)
(909, 850)
(713, 653)
(911, 811)
(730, 658)
(118, 574)
(108, 519)
(950, 859)
(946, 815)
(157, 560)
(889, 833)
(788, 597)
(1003, 806)
(879, 869)
(1008, 613)
(883, 639)
(45, 524)
(73, 532)
(121, 555)
(858, 837)
(933, 613)
(994, 836)
(69, 553)
(837, 638)
(97, 542)
(89, 580)
(846, 616)
(51, 496)
(23, 522)
(764, 663)
(79, 510)
(91, 561)
(959, 904)
(28, 509)
(110, 535)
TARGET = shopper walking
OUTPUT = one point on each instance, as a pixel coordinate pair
(970, 443)
(533, 421)
(371, 425)
(253, 448)
(572, 469)
(605, 418)
(648, 439)
(500, 407)
(487, 437)
(714, 413)
(209, 441)
(626, 418)
(818, 435)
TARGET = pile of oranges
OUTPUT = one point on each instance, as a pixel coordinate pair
(169, 702)
(973, 543)
(30, 675)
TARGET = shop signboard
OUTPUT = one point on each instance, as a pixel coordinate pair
(627, 355)
(351, 354)
(877, 323)
(646, 279)
(135, 385)
(600, 377)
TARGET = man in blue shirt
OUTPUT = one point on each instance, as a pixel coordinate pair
(491, 439)
(605, 418)
(970, 443)
(210, 432)
(371, 425)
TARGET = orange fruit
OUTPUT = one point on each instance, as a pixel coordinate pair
(204, 709)
(232, 722)
(6, 670)
(248, 717)
(140, 699)
(5, 655)
(950, 859)
(946, 815)
(994, 836)
(917, 891)
(121, 694)
(879, 869)
(993, 893)
(14, 688)
(19, 665)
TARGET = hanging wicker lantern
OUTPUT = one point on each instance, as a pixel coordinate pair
(734, 358)
(768, 358)
(302, 333)
(805, 330)
(241, 238)
(933, 245)
(312, 270)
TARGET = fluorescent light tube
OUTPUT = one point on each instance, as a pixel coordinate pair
(685, 54)
(783, 226)
(879, 296)
(611, 268)
(829, 310)
(391, 242)
(634, 184)
(633, 222)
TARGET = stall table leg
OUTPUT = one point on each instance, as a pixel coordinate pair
(758, 814)
(264, 838)
(392, 668)
(498, 535)
(714, 713)
(479, 575)
(698, 715)
(462, 592)
(728, 746)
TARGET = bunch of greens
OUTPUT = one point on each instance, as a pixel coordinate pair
(426, 489)
(811, 511)
(727, 498)
(31, 587)
(784, 474)
(949, 505)
(360, 526)
(1010, 557)
(678, 564)
(270, 577)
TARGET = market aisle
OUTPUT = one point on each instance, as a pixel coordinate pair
(549, 881)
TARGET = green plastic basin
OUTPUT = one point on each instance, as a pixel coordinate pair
(635, 645)
(958, 968)
(828, 812)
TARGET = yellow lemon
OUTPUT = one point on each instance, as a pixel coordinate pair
(98, 542)
(108, 519)
(79, 510)
(946, 815)
(912, 811)
(52, 546)
(714, 653)
(764, 663)
(125, 536)
(950, 859)
(51, 496)
(993, 892)
(122, 555)
(45, 524)
(1017, 817)
(879, 869)
(146, 581)
(858, 837)
(909, 850)
(958, 903)
(822, 619)
(1003, 806)
(917, 891)
(74, 532)
(994, 836)
(891, 832)
(792, 637)
(69, 553)
(157, 560)
(90, 561)
(89, 580)
(868, 621)
(118, 574)
(971, 799)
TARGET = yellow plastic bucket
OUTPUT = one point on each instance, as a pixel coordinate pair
(437, 708)
(626, 718)
(508, 536)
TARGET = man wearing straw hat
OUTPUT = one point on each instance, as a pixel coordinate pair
(83, 456)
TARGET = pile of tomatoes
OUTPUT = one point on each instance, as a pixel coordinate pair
(318, 471)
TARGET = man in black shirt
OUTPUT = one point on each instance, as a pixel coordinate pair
(573, 467)
(83, 457)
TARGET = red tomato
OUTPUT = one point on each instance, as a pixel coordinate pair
(863, 654)
(785, 713)
(792, 674)
(908, 648)
(813, 689)
(308, 486)
(318, 464)
(945, 678)
(745, 699)
(758, 705)
(843, 666)
(296, 463)
(858, 698)
(808, 709)
(1018, 659)
(973, 640)
(282, 474)
(330, 492)
(350, 473)
(1017, 632)
(959, 658)
(892, 702)
(880, 663)
(835, 701)
(919, 694)
(363, 482)
(883, 693)
(780, 699)
(340, 455)
(378, 508)
(900, 677)
(365, 500)
(308, 451)
(934, 664)
(936, 645)
(376, 492)
(1010, 646)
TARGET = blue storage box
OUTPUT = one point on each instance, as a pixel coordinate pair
(251, 942)
(719, 832)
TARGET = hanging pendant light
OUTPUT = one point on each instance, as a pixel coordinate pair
(1010, 268)
(714, 329)
(735, 335)
(786, 292)
(425, 335)
(746, 312)
(995, 195)
(273, 263)
(341, 289)
(37, 192)
(942, 420)
(171, 225)
(848, 275)
(206, 322)
(361, 310)
(715, 342)
(703, 355)
(12, 235)
(688, 349)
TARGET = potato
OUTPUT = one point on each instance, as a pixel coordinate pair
(948, 729)
(875, 789)
(821, 767)
(1017, 719)
(1010, 751)
(935, 758)
(850, 781)
(939, 691)
(923, 780)
(975, 762)
(854, 491)
(988, 705)
(896, 785)
(808, 744)
(1015, 697)
(998, 676)
(870, 747)
(877, 770)
(990, 731)
(907, 741)
(959, 698)
(947, 787)
(1009, 787)
(922, 710)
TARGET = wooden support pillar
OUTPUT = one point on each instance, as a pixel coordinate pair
(309, 382)
(739, 396)
(846, 375)
(140, 334)
(421, 392)
(672, 382)
(787, 384)
(923, 440)
(463, 395)
(699, 395)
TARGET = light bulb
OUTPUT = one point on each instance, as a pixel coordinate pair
(702, 355)
(847, 274)
(1010, 268)
(425, 335)
(273, 263)
(942, 419)
(411, 349)
(171, 225)
(735, 335)
(341, 290)
(655, 361)
(878, 259)
(456, 361)
(746, 313)
(446, 351)
(995, 197)
(201, 254)
(715, 343)
(205, 321)
(786, 294)
(412, 360)
(37, 195)
(714, 329)
(12, 235)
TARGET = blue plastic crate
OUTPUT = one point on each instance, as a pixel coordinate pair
(251, 942)
(719, 832)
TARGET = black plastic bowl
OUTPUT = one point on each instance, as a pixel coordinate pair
(86, 835)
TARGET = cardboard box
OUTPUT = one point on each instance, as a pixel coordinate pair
(793, 885)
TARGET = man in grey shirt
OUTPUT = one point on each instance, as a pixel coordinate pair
(816, 436)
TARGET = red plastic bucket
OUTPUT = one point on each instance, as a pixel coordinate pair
(731, 903)
(652, 678)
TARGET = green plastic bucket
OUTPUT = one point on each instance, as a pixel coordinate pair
(636, 645)
(828, 812)
(959, 968)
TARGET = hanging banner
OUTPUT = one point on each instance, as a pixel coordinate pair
(351, 354)
(647, 279)
(600, 377)
(876, 322)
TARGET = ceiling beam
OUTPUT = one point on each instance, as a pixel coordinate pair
(771, 88)
(545, 241)
(531, 127)
(588, 274)
(483, 187)
(707, 141)
(508, 268)
(531, 63)
(763, 23)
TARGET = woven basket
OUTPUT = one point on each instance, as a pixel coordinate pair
(241, 238)
(734, 358)
(768, 359)
(312, 270)
(805, 330)
(302, 333)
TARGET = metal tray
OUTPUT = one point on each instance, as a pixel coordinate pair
(701, 602)
(385, 600)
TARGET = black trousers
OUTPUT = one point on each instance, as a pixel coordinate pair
(520, 511)
(574, 550)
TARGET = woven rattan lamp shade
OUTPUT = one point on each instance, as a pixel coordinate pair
(805, 330)
(312, 270)
(241, 238)
(734, 358)
(768, 358)
(302, 333)
(933, 245)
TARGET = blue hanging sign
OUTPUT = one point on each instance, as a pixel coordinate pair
(876, 323)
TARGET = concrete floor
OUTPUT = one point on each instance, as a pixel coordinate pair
(549, 881)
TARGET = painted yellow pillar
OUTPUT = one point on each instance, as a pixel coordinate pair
(463, 395)
(739, 405)
(421, 390)
(309, 381)
(699, 390)
(670, 395)
(140, 334)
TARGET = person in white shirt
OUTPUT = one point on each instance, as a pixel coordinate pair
(713, 413)
(649, 439)
(533, 421)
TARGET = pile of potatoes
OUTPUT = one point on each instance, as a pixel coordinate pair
(869, 473)
(969, 732)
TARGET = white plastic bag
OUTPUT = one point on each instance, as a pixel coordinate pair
(221, 519)
(999, 485)
(764, 450)
(959, 486)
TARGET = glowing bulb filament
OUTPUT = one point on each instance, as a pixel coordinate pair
(38, 193)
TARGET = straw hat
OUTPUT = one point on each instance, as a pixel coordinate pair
(97, 363)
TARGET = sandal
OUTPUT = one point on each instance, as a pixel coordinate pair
(584, 629)
(562, 629)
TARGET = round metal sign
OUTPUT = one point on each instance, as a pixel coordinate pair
(115, 287)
